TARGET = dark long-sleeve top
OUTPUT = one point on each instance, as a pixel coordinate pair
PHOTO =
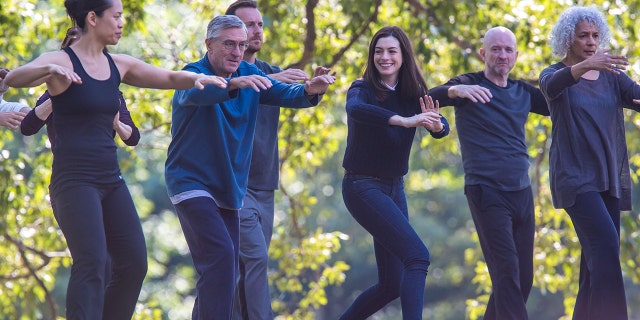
(212, 135)
(588, 151)
(264, 171)
(374, 147)
(492, 135)
(31, 124)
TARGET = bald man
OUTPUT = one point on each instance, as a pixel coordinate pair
(491, 111)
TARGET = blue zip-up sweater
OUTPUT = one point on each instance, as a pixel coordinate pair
(212, 134)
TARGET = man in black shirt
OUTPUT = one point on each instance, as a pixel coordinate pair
(491, 111)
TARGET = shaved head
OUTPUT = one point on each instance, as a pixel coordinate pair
(498, 32)
(499, 54)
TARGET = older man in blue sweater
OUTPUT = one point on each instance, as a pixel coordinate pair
(209, 156)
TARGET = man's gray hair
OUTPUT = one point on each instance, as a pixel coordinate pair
(219, 23)
(564, 31)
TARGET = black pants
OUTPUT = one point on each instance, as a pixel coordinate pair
(99, 222)
(506, 226)
(596, 218)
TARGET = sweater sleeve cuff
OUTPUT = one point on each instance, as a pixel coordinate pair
(442, 133)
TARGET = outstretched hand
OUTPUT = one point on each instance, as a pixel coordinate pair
(254, 81)
(204, 80)
(603, 61)
(290, 76)
(11, 119)
(320, 82)
(319, 71)
(428, 118)
(474, 93)
(297, 75)
(431, 114)
(64, 72)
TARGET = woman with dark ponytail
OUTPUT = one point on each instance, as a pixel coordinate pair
(93, 205)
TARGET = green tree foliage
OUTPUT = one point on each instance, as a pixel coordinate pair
(321, 258)
(32, 248)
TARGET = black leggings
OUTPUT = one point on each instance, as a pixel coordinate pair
(101, 222)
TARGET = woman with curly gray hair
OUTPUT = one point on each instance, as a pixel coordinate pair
(588, 159)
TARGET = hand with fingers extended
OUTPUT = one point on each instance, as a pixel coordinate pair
(11, 119)
(474, 93)
(290, 76)
(431, 114)
(254, 81)
(319, 83)
(320, 70)
(204, 80)
(56, 70)
(604, 61)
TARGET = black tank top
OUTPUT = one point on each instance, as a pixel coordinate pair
(85, 152)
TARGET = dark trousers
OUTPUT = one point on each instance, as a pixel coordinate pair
(506, 226)
(596, 219)
(99, 222)
(379, 205)
(212, 234)
(253, 300)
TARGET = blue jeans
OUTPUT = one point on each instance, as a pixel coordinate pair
(253, 300)
(506, 226)
(100, 222)
(379, 205)
(212, 234)
(596, 218)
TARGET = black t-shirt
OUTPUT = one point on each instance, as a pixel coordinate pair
(492, 135)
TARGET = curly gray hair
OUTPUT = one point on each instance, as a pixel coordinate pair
(564, 31)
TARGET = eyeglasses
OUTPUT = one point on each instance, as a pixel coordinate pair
(230, 45)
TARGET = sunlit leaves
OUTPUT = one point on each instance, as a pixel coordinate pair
(33, 248)
(304, 271)
(310, 261)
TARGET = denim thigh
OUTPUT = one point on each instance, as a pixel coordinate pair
(379, 205)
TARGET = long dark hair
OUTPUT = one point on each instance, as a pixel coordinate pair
(411, 85)
(78, 9)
